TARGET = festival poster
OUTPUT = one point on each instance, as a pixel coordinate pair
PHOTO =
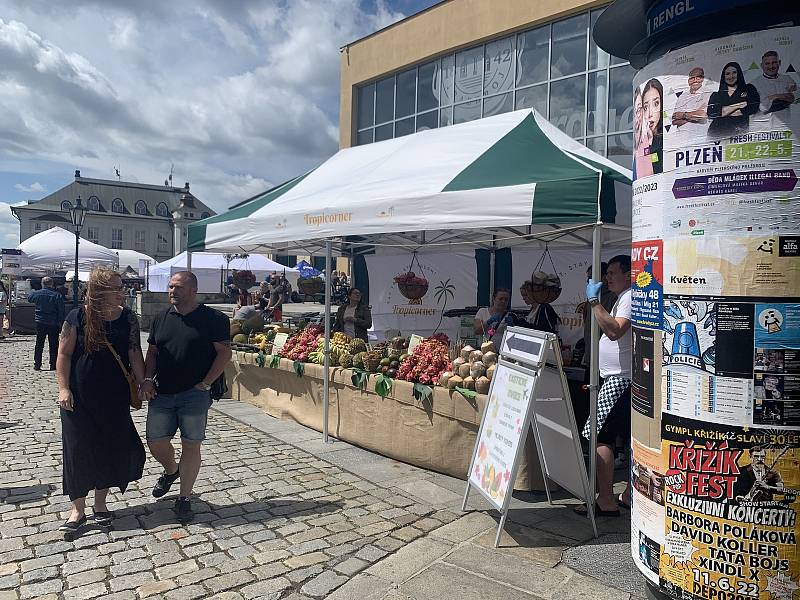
(751, 266)
(647, 289)
(731, 503)
(647, 209)
(647, 509)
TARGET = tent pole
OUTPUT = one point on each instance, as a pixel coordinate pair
(327, 347)
(189, 261)
(594, 363)
(492, 252)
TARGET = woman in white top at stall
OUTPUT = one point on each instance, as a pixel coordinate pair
(489, 317)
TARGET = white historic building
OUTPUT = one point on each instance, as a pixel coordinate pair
(121, 214)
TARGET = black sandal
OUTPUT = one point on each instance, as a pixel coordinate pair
(583, 511)
(73, 526)
(103, 517)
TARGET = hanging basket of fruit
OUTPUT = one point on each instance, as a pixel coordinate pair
(545, 287)
(411, 285)
(243, 279)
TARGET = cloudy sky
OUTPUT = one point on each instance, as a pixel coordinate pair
(237, 94)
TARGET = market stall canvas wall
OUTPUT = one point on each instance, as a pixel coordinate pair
(452, 283)
(571, 265)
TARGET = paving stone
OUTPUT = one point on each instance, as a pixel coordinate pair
(198, 576)
(9, 582)
(93, 590)
(445, 581)
(155, 589)
(323, 584)
(371, 553)
(189, 592)
(121, 557)
(228, 580)
(10, 568)
(40, 574)
(174, 570)
(306, 560)
(85, 564)
(33, 590)
(129, 582)
(266, 589)
(86, 577)
(306, 547)
(351, 566)
(300, 575)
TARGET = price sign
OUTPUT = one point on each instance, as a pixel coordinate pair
(278, 343)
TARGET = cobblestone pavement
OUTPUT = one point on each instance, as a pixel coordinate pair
(273, 521)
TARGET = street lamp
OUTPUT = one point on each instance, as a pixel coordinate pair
(77, 215)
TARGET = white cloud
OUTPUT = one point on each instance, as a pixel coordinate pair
(239, 95)
(9, 226)
(34, 187)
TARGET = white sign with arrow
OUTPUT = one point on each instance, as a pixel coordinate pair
(524, 345)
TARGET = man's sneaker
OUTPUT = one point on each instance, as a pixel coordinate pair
(183, 508)
(164, 483)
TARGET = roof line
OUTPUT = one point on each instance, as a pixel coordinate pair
(131, 184)
(403, 20)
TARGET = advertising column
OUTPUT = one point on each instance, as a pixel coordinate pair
(716, 317)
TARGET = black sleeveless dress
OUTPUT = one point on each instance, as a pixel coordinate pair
(101, 447)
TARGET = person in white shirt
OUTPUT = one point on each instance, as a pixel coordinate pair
(689, 117)
(614, 397)
(777, 93)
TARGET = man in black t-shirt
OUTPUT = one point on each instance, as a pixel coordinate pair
(189, 346)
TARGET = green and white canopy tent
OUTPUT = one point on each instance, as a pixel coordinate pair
(500, 181)
(508, 176)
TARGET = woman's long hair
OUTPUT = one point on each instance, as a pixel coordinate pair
(101, 281)
(740, 82)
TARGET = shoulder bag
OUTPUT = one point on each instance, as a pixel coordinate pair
(135, 401)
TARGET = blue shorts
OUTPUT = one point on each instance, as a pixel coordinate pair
(188, 410)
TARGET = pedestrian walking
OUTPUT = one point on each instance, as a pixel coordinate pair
(189, 346)
(101, 447)
(48, 315)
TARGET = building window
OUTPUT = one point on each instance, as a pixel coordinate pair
(117, 206)
(116, 238)
(555, 69)
(140, 208)
(162, 210)
(163, 243)
(205, 215)
(93, 203)
(139, 240)
(93, 234)
(37, 228)
(66, 205)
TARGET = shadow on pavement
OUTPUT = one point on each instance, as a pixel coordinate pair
(28, 493)
(157, 514)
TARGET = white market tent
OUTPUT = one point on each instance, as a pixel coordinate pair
(511, 179)
(131, 258)
(54, 250)
(210, 267)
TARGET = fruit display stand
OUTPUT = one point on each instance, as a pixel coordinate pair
(437, 433)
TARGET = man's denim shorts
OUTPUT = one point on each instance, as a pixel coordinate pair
(187, 411)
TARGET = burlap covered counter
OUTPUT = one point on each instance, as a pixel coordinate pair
(437, 434)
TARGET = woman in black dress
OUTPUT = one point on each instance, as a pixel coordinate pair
(731, 106)
(101, 447)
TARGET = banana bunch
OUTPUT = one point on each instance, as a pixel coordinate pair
(317, 357)
(261, 340)
(357, 345)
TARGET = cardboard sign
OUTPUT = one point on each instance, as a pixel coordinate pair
(523, 345)
(413, 341)
(278, 343)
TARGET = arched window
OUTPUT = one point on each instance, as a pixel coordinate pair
(205, 215)
(94, 203)
(140, 208)
(162, 210)
(117, 206)
(66, 205)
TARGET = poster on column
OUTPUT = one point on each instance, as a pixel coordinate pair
(410, 292)
(731, 511)
(776, 364)
(647, 509)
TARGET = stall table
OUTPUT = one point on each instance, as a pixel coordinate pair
(437, 434)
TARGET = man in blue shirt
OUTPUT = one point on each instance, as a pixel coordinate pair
(49, 316)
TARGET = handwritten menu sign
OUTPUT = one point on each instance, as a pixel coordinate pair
(500, 436)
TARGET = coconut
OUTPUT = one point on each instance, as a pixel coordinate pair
(475, 356)
(444, 377)
(477, 369)
(489, 358)
(490, 372)
(457, 363)
(466, 351)
(464, 369)
(488, 347)
(482, 385)
(454, 382)
(469, 383)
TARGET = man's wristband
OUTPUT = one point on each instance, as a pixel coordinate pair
(593, 301)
